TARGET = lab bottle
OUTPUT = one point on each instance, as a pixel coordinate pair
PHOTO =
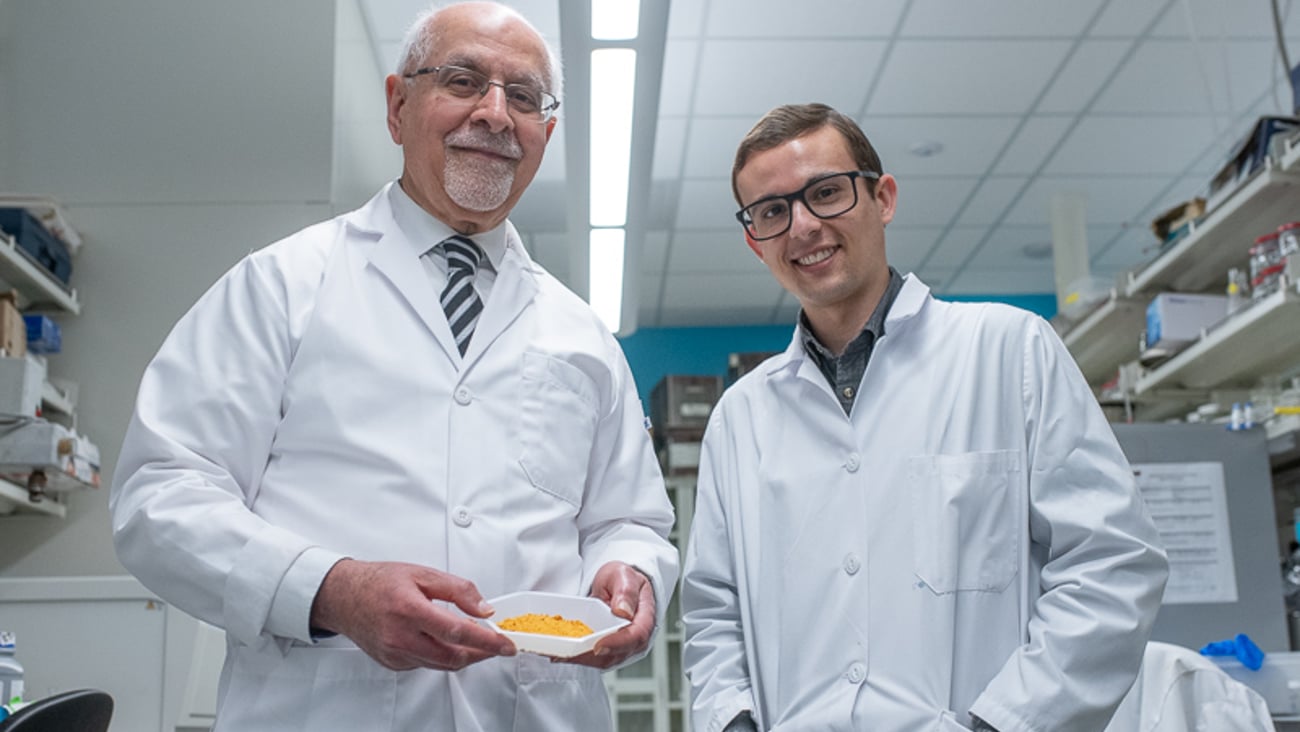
(1265, 265)
(1238, 290)
(1288, 239)
(11, 672)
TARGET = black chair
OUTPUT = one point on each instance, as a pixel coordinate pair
(82, 710)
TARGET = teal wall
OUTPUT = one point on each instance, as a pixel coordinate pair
(656, 352)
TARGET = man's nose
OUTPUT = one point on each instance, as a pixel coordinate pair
(802, 220)
(493, 110)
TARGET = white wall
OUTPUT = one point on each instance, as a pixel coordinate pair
(179, 136)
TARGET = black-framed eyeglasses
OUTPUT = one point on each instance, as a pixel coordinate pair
(526, 100)
(825, 197)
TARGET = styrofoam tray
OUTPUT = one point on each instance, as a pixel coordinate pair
(589, 610)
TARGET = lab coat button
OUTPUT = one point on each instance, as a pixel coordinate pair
(852, 463)
(851, 564)
(462, 395)
(857, 672)
(460, 516)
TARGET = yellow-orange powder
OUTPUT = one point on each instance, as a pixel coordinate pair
(546, 625)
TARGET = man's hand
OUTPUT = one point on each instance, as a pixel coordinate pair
(630, 595)
(386, 608)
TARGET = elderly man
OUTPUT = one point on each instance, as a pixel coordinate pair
(916, 517)
(363, 430)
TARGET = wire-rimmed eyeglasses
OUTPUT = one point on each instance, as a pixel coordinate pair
(825, 197)
(526, 100)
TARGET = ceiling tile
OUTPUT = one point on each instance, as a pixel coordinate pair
(1005, 18)
(1005, 248)
(1038, 138)
(965, 77)
(1182, 77)
(686, 18)
(1084, 74)
(654, 252)
(906, 246)
(969, 143)
(813, 19)
(1110, 199)
(724, 250)
(980, 280)
(931, 201)
(991, 200)
(706, 291)
(1132, 146)
(706, 204)
(955, 246)
(711, 146)
(750, 77)
(1128, 18)
(678, 78)
(1210, 19)
(670, 139)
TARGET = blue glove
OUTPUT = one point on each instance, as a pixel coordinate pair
(1242, 647)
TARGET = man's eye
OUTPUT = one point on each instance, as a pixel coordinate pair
(526, 99)
(828, 191)
(771, 210)
(462, 83)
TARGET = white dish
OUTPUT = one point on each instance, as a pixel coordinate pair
(589, 610)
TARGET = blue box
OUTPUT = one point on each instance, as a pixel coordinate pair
(33, 238)
(43, 334)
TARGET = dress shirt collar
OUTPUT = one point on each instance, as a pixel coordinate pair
(425, 232)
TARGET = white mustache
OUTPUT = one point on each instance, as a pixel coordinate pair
(503, 144)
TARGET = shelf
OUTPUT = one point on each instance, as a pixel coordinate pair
(53, 399)
(14, 500)
(1256, 342)
(38, 287)
(1092, 340)
(1221, 240)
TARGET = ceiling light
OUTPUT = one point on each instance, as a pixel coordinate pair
(605, 290)
(925, 148)
(1037, 250)
(614, 20)
(613, 81)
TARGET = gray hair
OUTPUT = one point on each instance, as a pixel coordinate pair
(419, 41)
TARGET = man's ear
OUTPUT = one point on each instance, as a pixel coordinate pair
(753, 245)
(395, 91)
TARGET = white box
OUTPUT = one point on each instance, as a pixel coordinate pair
(21, 381)
(1277, 680)
(1175, 319)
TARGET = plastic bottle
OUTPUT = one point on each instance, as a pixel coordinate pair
(1238, 417)
(11, 672)
(1266, 265)
(1238, 290)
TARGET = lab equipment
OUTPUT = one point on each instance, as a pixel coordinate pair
(11, 671)
(1266, 265)
(1238, 290)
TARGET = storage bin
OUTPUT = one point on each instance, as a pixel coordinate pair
(45, 249)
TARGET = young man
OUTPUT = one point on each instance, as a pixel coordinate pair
(916, 517)
(367, 428)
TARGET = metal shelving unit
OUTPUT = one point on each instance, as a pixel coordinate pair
(14, 500)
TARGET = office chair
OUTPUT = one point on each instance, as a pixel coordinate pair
(82, 710)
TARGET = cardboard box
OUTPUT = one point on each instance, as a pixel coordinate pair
(1175, 319)
(21, 382)
(13, 330)
(1177, 221)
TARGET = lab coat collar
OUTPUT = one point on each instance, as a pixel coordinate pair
(911, 299)
(398, 260)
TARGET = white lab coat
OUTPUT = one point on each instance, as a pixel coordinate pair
(970, 540)
(312, 405)
(1179, 690)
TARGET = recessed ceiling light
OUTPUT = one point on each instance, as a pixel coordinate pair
(1037, 250)
(925, 148)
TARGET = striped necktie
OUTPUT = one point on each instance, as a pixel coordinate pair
(459, 300)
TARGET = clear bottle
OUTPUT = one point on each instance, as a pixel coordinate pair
(1238, 290)
(1288, 239)
(11, 672)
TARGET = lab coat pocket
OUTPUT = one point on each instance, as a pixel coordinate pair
(965, 525)
(309, 689)
(559, 696)
(557, 424)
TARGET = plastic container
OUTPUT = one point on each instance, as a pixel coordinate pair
(1266, 265)
(1238, 291)
(11, 672)
(589, 610)
(1288, 239)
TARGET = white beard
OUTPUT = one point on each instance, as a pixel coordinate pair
(476, 186)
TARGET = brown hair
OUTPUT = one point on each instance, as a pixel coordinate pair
(791, 121)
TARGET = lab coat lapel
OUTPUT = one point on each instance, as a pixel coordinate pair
(399, 263)
(514, 288)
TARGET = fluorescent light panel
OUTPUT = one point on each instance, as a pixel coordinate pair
(614, 20)
(613, 81)
(606, 286)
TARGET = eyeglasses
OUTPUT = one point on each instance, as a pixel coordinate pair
(825, 197)
(526, 100)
